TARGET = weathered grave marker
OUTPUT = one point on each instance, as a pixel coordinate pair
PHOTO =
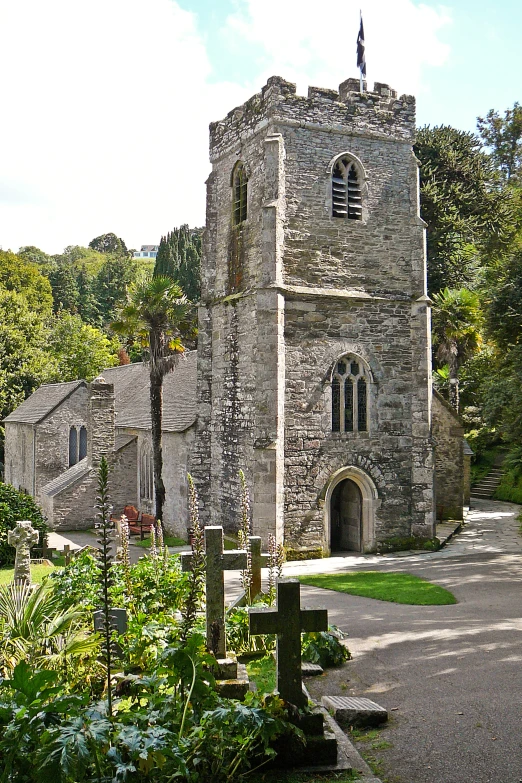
(258, 561)
(22, 538)
(288, 620)
(217, 561)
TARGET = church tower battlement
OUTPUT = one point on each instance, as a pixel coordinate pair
(314, 355)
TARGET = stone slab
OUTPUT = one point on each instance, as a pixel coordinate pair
(355, 711)
(311, 669)
(235, 688)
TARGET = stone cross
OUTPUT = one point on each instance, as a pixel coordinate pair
(23, 537)
(217, 561)
(288, 621)
(258, 561)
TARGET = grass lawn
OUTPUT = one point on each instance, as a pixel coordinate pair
(169, 541)
(37, 573)
(394, 587)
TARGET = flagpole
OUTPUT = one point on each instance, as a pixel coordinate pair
(361, 57)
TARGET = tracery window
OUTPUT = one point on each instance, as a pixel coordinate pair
(239, 194)
(82, 451)
(350, 389)
(346, 190)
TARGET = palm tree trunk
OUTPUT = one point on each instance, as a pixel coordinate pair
(454, 384)
(156, 409)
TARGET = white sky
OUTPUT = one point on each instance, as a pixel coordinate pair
(105, 104)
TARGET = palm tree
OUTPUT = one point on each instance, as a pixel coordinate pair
(158, 314)
(456, 335)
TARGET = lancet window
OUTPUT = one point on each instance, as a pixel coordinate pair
(350, 388)
(239, 194)
(346, 190)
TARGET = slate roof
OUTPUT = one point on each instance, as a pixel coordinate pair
(42, 402)
(131, 393)
(67, 478)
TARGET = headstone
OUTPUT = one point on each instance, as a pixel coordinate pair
(355, 711)
(288, 620)
(22, 538)
(258, 561)
(118, 620)
(217, 561)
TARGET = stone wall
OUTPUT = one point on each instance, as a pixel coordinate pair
(448, 437)
(177, 447)
(19, 456)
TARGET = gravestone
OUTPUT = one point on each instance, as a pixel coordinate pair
(22, 538)
(258, 561)
(217, 561)
(288, 620)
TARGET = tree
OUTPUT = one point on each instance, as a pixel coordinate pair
(65, 289)
(504, 303)
(109, 243)
(24, 362)
(25, 278)
(179, 257)
(503, 135)
(80, 350)
(467, 211)
(109, 287)
(159, 314)
(456, 321)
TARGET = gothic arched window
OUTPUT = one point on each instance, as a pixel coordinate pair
(83, 443)
(239, 194)
(73, 446)
(350, 388)
(346, 190)
(146, 475)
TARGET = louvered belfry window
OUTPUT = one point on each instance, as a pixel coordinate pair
(239, 187)
(346, 190)
(349, 396)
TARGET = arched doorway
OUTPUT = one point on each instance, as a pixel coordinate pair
(359, 503)
(346, 517)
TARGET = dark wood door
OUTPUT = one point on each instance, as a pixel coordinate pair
(346, 517)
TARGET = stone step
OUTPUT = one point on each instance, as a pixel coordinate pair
(355, 710)
(310, 669)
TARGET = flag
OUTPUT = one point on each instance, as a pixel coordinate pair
(361, 58)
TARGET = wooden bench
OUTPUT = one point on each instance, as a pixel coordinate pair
(142, 526)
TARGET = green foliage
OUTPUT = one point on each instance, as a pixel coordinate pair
(24, 362)
(383, 586)
(325, 648)
(461, 200)
(109, 243)
(179, 257)
(35, 628)
(504, 303)
(25, 278)
(80, 350)
(503, 136)
(16, 506)
(238, 633)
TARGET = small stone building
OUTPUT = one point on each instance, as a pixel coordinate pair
(314, 356)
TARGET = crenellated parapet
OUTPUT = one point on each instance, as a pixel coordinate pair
(380, 114)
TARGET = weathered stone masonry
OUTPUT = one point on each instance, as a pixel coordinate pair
(312, 288)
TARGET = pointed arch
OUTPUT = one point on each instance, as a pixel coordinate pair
(348, 187)
(369, 503)
(239, 182)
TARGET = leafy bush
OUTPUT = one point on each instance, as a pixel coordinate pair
(16, 506)
(325, 647)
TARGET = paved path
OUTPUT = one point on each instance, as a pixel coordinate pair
(451, 676)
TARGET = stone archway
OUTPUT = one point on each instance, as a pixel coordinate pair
(350, 503)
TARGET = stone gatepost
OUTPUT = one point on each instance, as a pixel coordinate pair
(22, 538)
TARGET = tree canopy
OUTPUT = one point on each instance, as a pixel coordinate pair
(179, 257)
(109, 243)
(25, 278)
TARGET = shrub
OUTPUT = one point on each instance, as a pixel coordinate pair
(14, 507)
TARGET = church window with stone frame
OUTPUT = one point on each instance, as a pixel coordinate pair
(239, 183)
(347, 189)
(350, 389)
(239, 194)
(77, 444)
(146, 475)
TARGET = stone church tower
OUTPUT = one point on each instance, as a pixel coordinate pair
(314, 350)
